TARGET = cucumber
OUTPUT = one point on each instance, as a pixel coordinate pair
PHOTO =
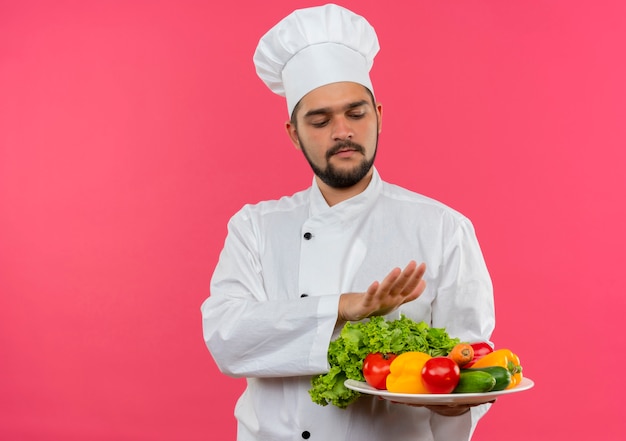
(501, 374)
(474, 381)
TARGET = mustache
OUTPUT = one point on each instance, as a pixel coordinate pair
(342, 145)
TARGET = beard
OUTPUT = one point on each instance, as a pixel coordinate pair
(335, 178)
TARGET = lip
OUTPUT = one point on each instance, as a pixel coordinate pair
(344, 152)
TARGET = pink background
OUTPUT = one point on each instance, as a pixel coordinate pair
(130, 131)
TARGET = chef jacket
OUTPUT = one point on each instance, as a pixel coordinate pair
(272, 309)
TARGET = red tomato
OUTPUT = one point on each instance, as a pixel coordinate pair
(480, 350)
(376, 369)
(440, 375)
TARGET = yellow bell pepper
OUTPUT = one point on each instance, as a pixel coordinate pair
(506, 359)
(405, 373)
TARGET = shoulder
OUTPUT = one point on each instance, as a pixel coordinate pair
(273, 208)
(411, 201)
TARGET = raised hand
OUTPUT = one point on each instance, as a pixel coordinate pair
(397, 288)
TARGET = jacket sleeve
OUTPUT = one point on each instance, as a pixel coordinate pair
(464, 302)
(252, 334)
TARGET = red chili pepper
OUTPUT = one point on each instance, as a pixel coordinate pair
(481, 349)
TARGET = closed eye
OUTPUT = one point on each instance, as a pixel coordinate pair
(357, 115)
(319, 124)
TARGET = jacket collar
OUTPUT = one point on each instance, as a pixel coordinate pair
(347, 209)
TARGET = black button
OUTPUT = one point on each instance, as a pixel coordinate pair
(306, 434)
(307, 235)
(304, 295)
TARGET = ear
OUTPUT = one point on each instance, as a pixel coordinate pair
(292, 132)
(379, 111)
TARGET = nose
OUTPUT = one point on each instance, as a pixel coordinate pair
(342, 129)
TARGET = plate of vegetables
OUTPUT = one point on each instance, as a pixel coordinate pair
(409, 362)
(468, 374)
(453, 399)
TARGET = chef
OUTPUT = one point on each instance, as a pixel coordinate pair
(293, 271)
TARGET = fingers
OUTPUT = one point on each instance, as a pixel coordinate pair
(398, 287)
(403, 282)
(416, 282)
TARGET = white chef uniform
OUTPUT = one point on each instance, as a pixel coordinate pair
(274, 297)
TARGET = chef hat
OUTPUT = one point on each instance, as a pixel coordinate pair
(313, 47)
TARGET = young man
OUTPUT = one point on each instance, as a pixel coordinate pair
(294, 270)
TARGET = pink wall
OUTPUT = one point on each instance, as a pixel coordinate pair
(130, 131)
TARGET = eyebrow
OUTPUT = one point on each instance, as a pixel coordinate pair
(327, 110)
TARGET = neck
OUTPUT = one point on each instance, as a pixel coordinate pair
(333, 195)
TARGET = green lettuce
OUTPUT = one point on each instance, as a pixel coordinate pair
(356, 340)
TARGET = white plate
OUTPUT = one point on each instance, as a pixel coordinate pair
(438, 399)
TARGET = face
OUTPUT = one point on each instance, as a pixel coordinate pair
(336, 127)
